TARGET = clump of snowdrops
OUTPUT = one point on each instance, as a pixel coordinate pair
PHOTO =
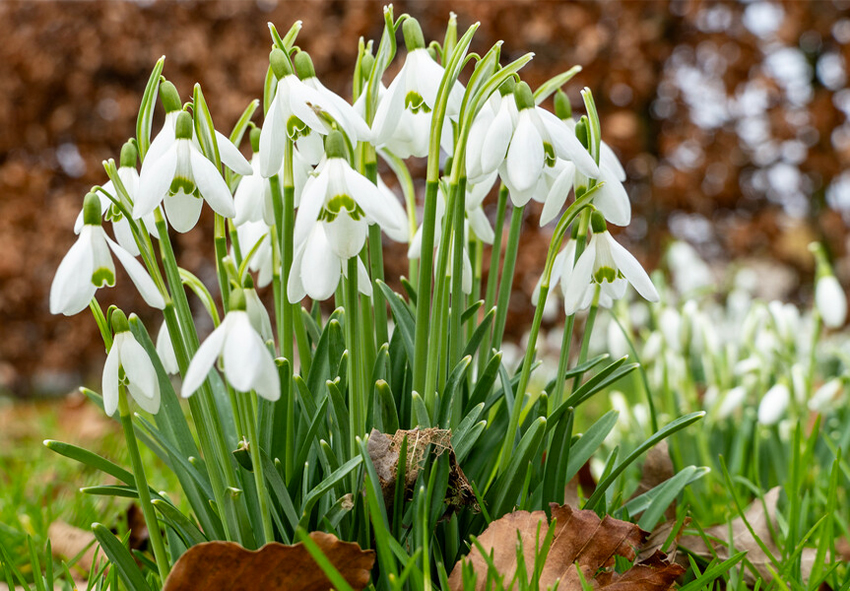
(282, 400)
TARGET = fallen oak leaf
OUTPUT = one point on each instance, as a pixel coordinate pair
(581, 539)
(227, 566)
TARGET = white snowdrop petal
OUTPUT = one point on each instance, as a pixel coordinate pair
(183, 211)
(165, 350)
(110, 379)
(609, 159)
(144, 385)
(231, 156)
(243, 349)
(204, 359)
(312, 202)
(320, 267)
(575, 289)
(525, 155)
(557, 195)
(612, 200)
(72, 289)
(211, 185)
(154, 182)
(831, 301)
(163, 140)
(773, 405)
(389, 111)
(139, 276)
(272, 138)
(295, 291)
(369, 197)
(496, 141)
(364, 283)
(631, 269)
(345, 235)
(481, 225)
(566, 144)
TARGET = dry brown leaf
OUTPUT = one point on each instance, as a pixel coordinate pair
(761, 522)
(581, 540)
(227, 566)
(67, 541)
(384, 452)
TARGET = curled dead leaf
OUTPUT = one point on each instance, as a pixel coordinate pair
(227, 566)
(384, 451)
(581, 540)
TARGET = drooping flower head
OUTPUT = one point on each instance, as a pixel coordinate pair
(184, 178)
(402, 122)
(246, 362)
(607, 265)
(830, 298)
(88, 266)
(129, 364)
(333, 219)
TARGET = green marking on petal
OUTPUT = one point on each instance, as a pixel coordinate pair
(103, 276)
(604, 274)
(113, 214)
(415, 103)
(337, 204)
(549, 152)
(295, 128)
(183, 184)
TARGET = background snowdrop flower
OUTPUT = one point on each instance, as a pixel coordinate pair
(491, 133)
(830, 298)
(605, 263)
(129, 177)
(333, 219)
(129, 364)
(250, 234)
(247, 363)
(827, 396)
(538, 138)
(88, 266)
(183, 176)
(253, 197)
(402, 121)
(733, 399)
(773, 404)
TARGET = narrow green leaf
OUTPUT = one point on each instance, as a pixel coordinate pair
(121, 558)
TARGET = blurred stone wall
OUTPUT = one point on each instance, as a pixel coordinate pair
(731, 120)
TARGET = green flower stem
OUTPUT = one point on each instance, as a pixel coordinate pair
(376, 255)
(234, 242)
(493, 272)
(287, 247)
(102, 324)
(554, 246)
(220, 253)
(355, 399)
(507, 277)
(184, 339)
(259, 477)
(456, 340)
(142, 485)
(426, 274)
(438, 326)
(588, 331)
(563, 362)
(278, 285)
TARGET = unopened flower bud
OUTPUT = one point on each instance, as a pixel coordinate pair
(773, 405)
(582, 132)
(563, 108)
(128, 155)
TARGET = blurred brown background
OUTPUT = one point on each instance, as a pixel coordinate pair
(731, 119)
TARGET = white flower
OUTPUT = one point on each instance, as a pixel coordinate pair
(831, 301)
(537, 141)
(491, 133)
(773, 404)
(182, 175)
(402, 120)
(731, 401)
(253, 197)
(247, 363)
(257, 311)
(165, 350)
(129, 177)
(827, 396)
(88, 266)
(128, 363)
(605, 263)
(333, 219)
(296, 113)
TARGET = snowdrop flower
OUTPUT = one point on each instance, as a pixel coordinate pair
(129, 364)
(257, 312)
(166, 137)
(129, 177)
(690, 273)
(826, 397)
(88, 266)
(182, 176)
(402, 120)
(165, 350)
(562, 269)
(537, 140)
(401, 234)
(299, 112)
(333, 219)
(253, 197)
(732, 401)
(247, 363)
(606, 264)
(773, 404)
(830, 298)
(491, 133)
